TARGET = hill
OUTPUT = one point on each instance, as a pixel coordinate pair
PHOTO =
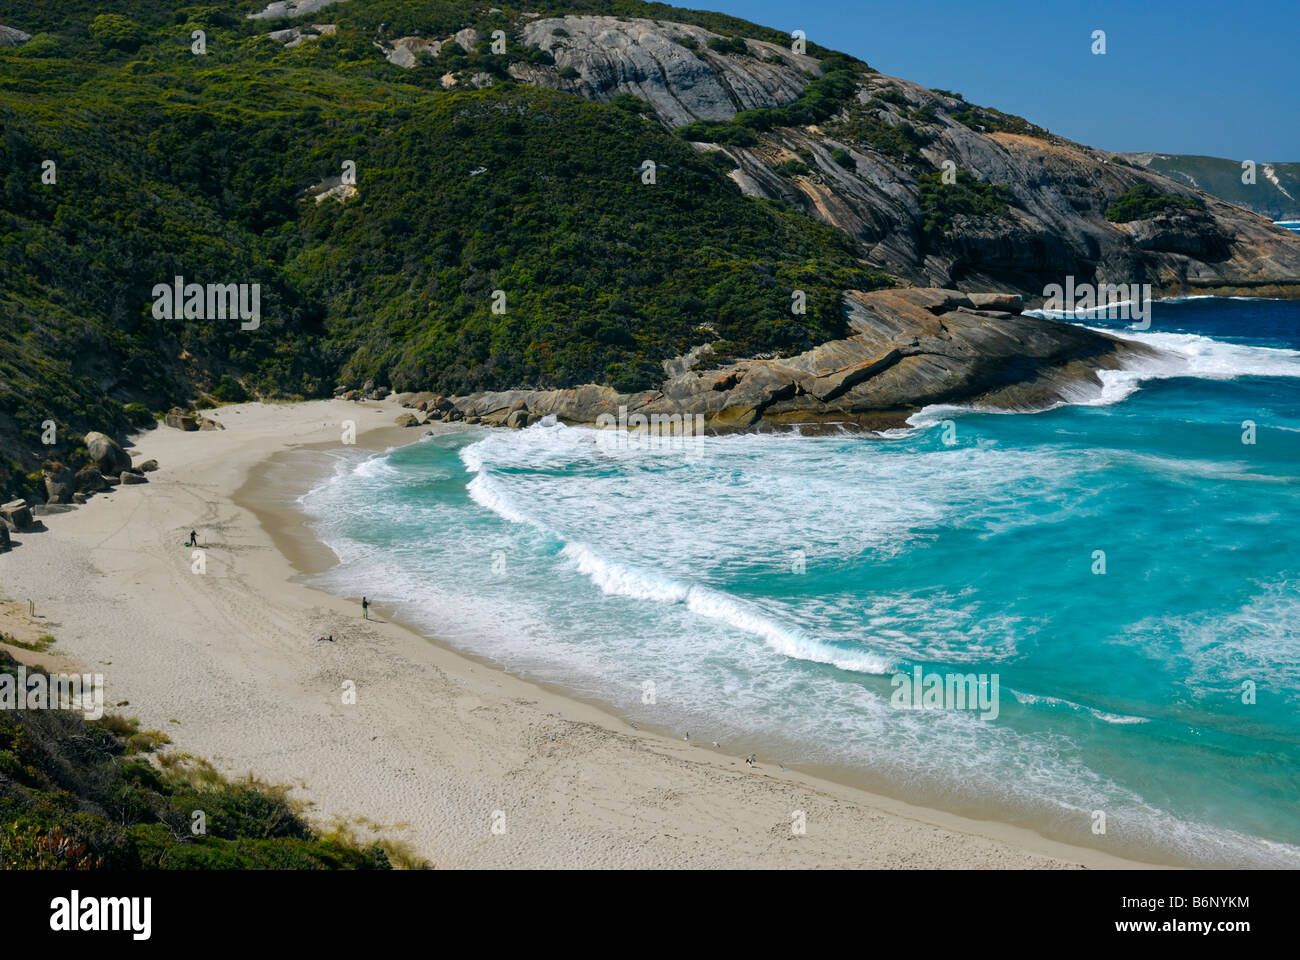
(504, 230)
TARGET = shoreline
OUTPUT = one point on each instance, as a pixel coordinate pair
(438, 741)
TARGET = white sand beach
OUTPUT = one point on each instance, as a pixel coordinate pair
(226, 663)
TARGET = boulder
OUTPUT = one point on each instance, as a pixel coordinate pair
(49, 509)
(79, 498)
(453, 415)
(60, 483)
(107, 454)
(17, 513)
(178, 418)
(1006, 302)
(407, 420)
(113, 481)
(206, 424)
(149, 466)
(128, 477)
(4, 538)
(90, 480)
(517, 418)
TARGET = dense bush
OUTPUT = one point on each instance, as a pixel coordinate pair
(117, 32)
(941, 202)
(988, 120)
(717, 131)
(733, 46)
(1144, 201)
(230, 390)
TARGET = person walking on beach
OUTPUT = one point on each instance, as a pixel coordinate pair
(365, 608)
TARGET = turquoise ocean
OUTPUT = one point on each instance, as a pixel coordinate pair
(763, 589)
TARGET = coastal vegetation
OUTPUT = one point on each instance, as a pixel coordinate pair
(168, 164)
(942, 202)
(1143, 202)
(79, 794)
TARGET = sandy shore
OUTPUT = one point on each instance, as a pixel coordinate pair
(437, 747)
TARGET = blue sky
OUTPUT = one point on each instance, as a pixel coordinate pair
(1190, 77)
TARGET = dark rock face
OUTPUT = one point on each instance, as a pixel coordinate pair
(90, 480)
(647, 59)
(17, 514)
(908, 348)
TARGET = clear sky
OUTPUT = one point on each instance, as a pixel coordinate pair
(1214, 78)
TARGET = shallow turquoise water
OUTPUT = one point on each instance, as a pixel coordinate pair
(766, 588)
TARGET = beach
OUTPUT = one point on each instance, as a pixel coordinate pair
(469, 766)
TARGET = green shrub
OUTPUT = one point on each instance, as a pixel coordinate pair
(717, 131)
(138, 415)
(988, 120)
(117, 32)
(631, 103)
(569, 73)
(792, 168)
(230, 390)
(635, 377)
(720, 160)
(731, 46)
(1143, 202)
(844, 158)
(941, 202)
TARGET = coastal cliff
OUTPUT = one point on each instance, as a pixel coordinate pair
(896, 134)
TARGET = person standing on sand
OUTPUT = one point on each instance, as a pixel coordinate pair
(365, 608)
(194, 539)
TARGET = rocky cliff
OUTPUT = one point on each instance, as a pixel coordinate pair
(890, 138)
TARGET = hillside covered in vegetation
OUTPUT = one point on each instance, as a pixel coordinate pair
(169, 163)
(448, 196)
